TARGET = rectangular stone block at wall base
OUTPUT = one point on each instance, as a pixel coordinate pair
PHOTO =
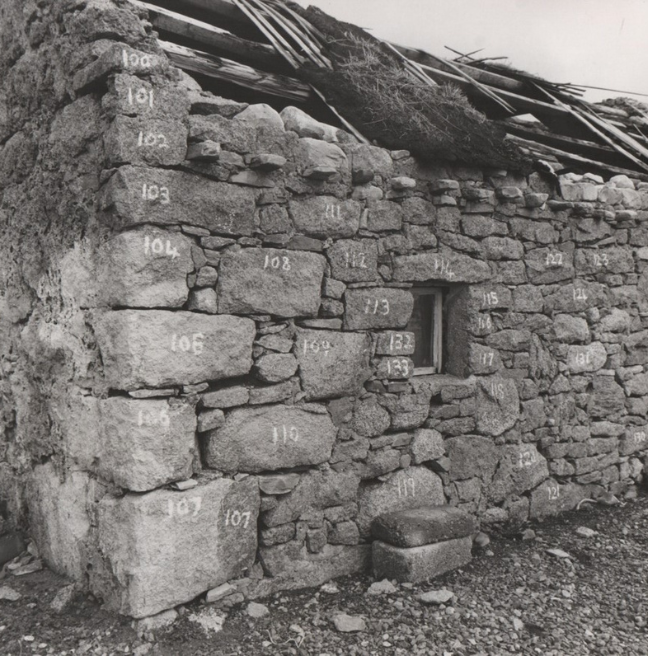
(155, 348)
(292, 566)
(59, 520)
(165, 548)
(419, 563)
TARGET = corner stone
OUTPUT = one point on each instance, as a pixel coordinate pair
(154, 348)
(164, 548)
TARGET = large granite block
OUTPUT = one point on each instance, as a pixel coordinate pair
(154, 348)
(164, 548)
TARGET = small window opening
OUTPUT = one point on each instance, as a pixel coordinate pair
(427, 325)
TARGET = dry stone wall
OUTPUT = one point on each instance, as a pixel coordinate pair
(207, 376)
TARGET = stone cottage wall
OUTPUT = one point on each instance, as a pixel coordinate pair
(205, 369)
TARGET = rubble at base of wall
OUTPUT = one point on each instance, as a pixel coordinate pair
(210, 358)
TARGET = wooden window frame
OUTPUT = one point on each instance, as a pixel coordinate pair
(436, 343)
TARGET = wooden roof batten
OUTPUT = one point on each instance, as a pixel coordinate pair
(260, 45)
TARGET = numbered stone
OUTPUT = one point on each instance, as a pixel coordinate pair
(354, 261)
(445, 267)
(269, 438)
(377, 307)
(165, 548)
(154, 348)
(578, 296)
(119, 57)
(586, 358)
(332, 364)
(394, 368)
(521, 468)
(550, 498)
(326, 216)
(155, 142)
(270, 281)
(395, 343)
(136, 444)
(144, 268)
(408, 488)
(547, 265)
(137, 195)
(136, 96)
(483, 360)
(608, 260)
(498, 405)
(635, 439)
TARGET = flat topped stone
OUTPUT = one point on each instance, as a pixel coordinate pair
(415, 527)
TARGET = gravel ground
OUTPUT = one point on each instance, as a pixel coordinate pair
(516, 597)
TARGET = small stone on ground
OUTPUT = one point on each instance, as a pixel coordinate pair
(257, 611)
(382, 587)
(436, 597)
(348, 623)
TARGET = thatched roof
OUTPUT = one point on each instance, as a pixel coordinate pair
(465, 109)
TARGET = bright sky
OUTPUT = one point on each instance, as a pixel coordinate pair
(595, 42)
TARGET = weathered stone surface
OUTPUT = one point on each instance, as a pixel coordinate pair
(384, 215)
(315, 491)
(637, 385)
(326, 216)
(570, 329)
(419, 526)
(420, 563)
(354, 261)
(471, 456)
(394, 368)
(143, 268)
(409, 410)
(164, 548)
(269, 438)
(447, 267)
(379, 307)
(275, 367)
(427, 445)
(278, 483)
(137, 195)
(267, 280)
(154, 348)
(547, 265)
(586, 358)
(332, 364)
(60, 524)
(227, 397)
(300, 122)
(295, 567)
(606, 399)
(314, 153)
(408, 488)
(498, 405)
(521, 468)
(203, 300)
(148, 141)
(136, 444)
(369, 418)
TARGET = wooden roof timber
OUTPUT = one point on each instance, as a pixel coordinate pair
(535, 148)
(227, 70)
(214, 39)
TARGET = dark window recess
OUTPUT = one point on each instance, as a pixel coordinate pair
(427, 325)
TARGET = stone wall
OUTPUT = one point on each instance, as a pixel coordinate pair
(205, 370)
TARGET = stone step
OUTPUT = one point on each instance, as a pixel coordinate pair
(419, 563)
(420, 526)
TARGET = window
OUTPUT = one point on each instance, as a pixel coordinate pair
(427, 325)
